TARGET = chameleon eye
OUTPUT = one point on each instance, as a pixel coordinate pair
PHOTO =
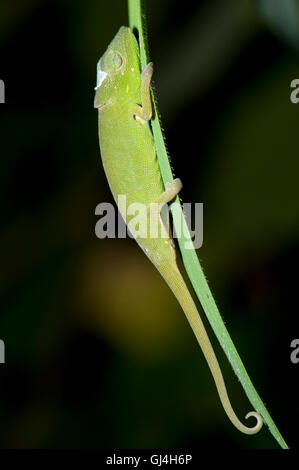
(113, 61)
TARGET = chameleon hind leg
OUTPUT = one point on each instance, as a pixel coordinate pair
(171, 191)
(157, 210)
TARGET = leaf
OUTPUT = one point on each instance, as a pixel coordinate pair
(191, 262)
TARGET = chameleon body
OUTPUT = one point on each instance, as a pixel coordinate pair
(129, 158)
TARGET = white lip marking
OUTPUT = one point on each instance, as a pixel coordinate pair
(101, 75)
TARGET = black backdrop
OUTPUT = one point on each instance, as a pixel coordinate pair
(98, 353)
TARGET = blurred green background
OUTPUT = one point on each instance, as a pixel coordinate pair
(98, 352)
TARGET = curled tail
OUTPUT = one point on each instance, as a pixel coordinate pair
(175, 281)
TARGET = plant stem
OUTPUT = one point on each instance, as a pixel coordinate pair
(189, 256)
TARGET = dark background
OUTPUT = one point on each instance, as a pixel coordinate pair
(98, 352)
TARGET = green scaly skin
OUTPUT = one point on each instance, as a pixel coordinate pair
(130, 162)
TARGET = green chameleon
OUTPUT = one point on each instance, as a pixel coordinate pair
(124, 106)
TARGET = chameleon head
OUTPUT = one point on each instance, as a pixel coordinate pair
(118, 69)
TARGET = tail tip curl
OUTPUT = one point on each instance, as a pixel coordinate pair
(259, 421)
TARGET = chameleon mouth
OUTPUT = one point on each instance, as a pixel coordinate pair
(101, 106)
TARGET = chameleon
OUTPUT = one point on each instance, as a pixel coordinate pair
(123, 100)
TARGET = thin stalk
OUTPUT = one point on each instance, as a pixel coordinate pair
(191, 262)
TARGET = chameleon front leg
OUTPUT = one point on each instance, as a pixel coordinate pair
(145, 110)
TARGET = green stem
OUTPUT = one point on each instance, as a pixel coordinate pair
(189, 256)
